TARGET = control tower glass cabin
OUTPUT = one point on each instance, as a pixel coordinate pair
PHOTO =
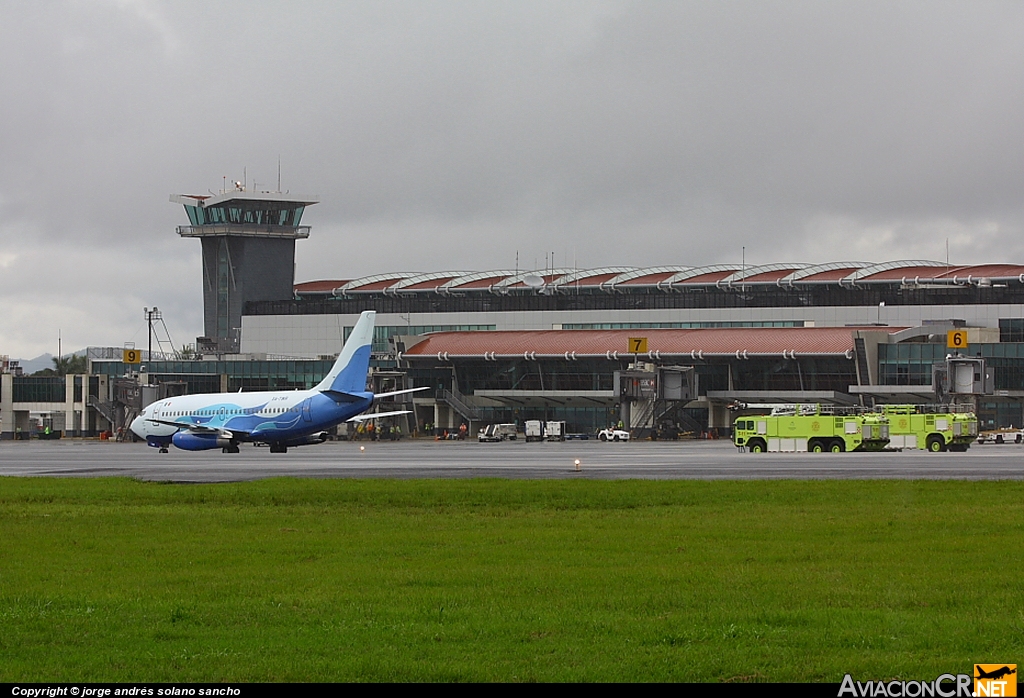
(248, 255)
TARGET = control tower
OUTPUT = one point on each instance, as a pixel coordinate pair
(248, 254)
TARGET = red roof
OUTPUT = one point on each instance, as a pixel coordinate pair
(770, 275)
(909, 273)
(830, 275)
(325, 286)
(649, 279)
(992, 271)
(710, 277)
(483, 283)
(595, 280)
(713, 341)
(432, 283)
(377, 285)
(548, 278)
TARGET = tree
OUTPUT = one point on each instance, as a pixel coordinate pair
(63, 365)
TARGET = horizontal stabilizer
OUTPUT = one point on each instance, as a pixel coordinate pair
(375, 415)
(339, 396)
(378, 396)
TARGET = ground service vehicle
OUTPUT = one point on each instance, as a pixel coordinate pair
(613, 435)
(935, 428)
(554, 431)
(497, 432)
(814, 428)
(1001, 436)
(536, 430)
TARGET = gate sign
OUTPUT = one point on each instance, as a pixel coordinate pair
(956, 339)
(132, 356)
(637, 345)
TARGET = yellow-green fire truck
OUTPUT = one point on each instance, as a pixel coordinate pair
(813, 428)
(930, 427)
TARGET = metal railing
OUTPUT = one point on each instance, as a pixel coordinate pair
(245, 229)
(460, 406)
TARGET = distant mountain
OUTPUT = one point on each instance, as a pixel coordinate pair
(30, 366)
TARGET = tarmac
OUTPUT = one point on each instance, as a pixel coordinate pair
(662, 460)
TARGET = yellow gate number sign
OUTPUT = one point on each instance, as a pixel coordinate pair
(956, 339)
(637, 345)
(132, 356)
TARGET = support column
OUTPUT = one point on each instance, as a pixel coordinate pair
(718, 416)
(6, 406)
(69, 406)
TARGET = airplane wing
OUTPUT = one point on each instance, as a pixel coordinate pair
(197, 428)
(375, 415)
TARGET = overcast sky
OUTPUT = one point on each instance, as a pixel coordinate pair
(452, 135)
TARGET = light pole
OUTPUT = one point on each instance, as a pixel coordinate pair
(151, 314)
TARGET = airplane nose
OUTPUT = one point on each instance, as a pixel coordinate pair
(136, 427)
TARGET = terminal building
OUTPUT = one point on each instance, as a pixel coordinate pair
(560, 344)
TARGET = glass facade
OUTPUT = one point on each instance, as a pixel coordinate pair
(247, 213)
(205, 376)
(383, 333)
(810, 373)
(536, 375)
(1011, 330)
(824, 295)
(908, 364)
(38, 389)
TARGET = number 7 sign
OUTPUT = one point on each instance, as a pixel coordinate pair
(637, 345)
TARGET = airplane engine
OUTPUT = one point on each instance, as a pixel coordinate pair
(194, 442)
(317, 438)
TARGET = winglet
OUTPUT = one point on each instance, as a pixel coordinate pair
(348, 375)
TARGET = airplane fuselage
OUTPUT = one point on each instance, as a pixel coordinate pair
(286, 418)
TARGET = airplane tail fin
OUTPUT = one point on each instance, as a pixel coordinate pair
(348, 375)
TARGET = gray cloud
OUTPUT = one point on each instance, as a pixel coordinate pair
(452, 135)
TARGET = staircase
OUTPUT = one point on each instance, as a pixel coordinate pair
(456, 401)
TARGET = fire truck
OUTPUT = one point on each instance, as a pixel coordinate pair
(931, 427)
(815, 428)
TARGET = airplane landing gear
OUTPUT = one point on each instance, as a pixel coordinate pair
(230, 449)
(278, 448)
(163, 449)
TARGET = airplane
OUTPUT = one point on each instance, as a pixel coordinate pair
(280, 418)
(995, 673)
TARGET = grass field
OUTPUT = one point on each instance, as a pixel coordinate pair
(496, 580)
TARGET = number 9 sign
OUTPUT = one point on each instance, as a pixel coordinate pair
(132, 356)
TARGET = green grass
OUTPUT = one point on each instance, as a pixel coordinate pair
(488, 580)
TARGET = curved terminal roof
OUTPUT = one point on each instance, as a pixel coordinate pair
(431, 281)
(769, 273)
(740, 343)
(625, 279)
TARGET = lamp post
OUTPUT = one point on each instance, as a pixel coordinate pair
(151, 314)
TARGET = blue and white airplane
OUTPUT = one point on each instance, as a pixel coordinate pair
(280, 418)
